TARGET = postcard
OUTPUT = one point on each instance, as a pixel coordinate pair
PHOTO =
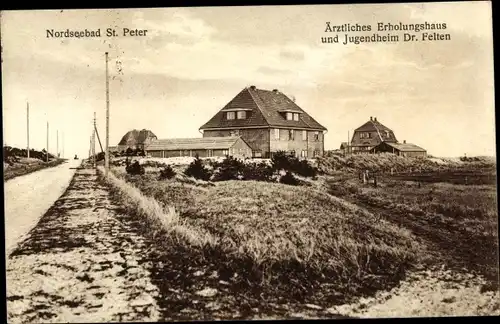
(250, 162)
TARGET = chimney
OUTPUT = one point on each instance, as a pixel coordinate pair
(252, 87)
(404, 141)
(371, 118)
(275, 90)
(374, 118)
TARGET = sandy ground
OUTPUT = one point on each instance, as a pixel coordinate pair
(80, 263)
(29, 196)
(429, 293)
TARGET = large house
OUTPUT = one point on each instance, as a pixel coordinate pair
(203, 147)
(374, 137)
(268, 121)
(369, 135)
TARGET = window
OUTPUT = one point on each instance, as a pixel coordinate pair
(235, 132)
(241, 114)
(209, 153)
(292, 153)
(387, 134)
(291, 135)
(276, 133)
(230, 115)
(295, 116)
(225, 152)
(316, 136)
(257, 154)
(303, 153)
(317, 153)
(289, 116)
(304, 135)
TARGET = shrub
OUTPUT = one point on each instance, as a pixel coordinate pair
(197, 170)
(166, 173)
(282, 161)
(258, 172)
(305, 169)
(135, 168)
(289, 179)
(229, 169)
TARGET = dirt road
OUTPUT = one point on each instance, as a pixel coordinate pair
(29, 196)
(80, 263)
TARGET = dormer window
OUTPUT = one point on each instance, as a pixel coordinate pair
(241, 114)
(292, 116)
(231, 115)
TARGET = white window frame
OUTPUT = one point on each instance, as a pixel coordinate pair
(316, 136)
(303, 153)
(210, 153)
(304, 135)
(241, 114)
(225, 152)
(291, 135)
(296, 116)
(231, 115)
(289, 116)
(276, 133)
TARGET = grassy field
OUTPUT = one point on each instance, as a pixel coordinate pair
(24, 166)
(458, 223)
(333, 240)
(291, 241)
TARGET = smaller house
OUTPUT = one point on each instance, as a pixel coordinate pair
(136, 139)
(401, 149)
(203, 147)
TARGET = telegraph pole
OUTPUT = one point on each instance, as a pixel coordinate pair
(62, 155)
(47, 141)
(57, 143)
(28, 128)
(106, 154)
(94, 158)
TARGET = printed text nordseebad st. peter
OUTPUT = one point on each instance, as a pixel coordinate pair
(86, 33)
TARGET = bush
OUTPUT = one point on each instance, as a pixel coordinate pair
(229, 169)
(167, 173)
(197, 170)
(135, 168)
(282, 161)
(258, 172)
(289, 179)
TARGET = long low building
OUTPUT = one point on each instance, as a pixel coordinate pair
(401, 149)
(203, 147)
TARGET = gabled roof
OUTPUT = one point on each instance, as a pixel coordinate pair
(135, 137)
(266, 109)
(373, 125)
(203, 143)
(406, 147)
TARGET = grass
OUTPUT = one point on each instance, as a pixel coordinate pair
(26, 166)
(458, 223)
(287, 241)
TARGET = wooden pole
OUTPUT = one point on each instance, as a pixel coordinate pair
(106, 154)
(57, 143)
(62, 155)
(28, 128)
(94, 157)
(47, 141)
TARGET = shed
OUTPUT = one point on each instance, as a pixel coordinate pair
(203, 147)
(401, 149)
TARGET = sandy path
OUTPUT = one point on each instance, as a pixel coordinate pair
(29, 196)
(81, 263)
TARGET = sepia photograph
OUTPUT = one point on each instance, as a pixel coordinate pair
(249, 162)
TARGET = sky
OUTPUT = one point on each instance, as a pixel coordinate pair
(192, 61)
